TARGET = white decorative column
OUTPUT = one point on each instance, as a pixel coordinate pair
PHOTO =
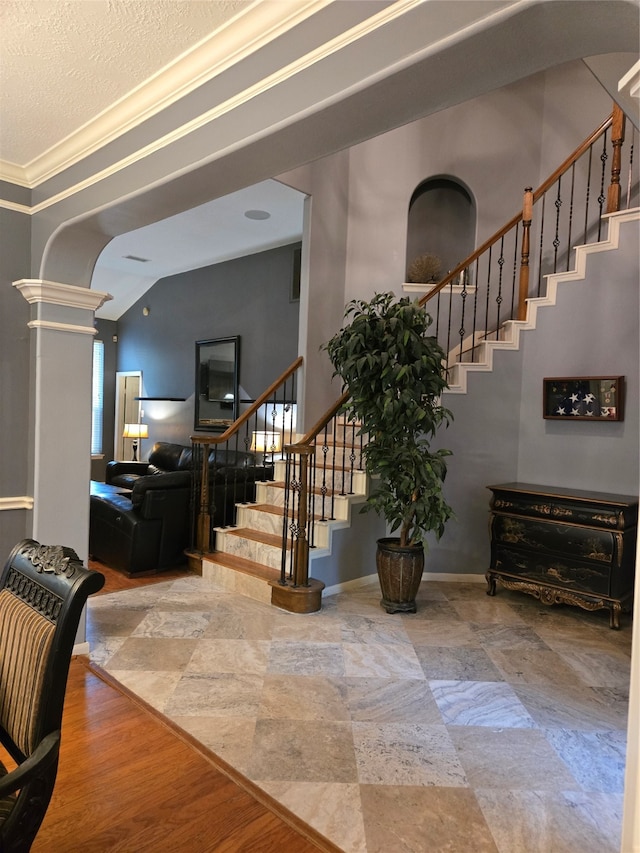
(61, 352)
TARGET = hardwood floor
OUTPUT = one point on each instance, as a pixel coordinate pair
(116, 581)
(129, 782)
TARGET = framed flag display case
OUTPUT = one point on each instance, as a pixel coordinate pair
(583, 398)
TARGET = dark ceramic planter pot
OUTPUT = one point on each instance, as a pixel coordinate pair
(399, 572)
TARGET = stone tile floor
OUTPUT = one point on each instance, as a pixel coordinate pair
(476, 724)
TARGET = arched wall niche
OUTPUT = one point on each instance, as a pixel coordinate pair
(441, 221)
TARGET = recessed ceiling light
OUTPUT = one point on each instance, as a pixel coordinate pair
(257, 214)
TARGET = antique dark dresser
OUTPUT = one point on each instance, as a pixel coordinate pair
(564, 546)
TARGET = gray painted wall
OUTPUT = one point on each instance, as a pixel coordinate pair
(15, 231)
(591, 331)
(249, 297)
(499, 434)
(475, 143)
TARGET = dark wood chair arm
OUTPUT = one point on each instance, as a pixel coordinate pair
(40, 759)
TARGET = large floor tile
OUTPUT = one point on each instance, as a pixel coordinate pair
(284, 750)
(549, 822)
(407, 819)
(510, 759)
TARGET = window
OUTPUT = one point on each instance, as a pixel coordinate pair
(97, 397)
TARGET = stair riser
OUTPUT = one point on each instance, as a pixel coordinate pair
(276, 496)
(253, 518)
(237, 582)
(258, 552)
(340, 479)
(340, 461)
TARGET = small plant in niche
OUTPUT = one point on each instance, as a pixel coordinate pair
(425, 269)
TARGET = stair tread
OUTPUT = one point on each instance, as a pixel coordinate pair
(274, 539)
(275, 510)
(242, 564)
(270, 508)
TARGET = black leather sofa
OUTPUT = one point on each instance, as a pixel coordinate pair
(141, 517)
(143, 529)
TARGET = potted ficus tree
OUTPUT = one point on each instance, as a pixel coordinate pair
(395, 375)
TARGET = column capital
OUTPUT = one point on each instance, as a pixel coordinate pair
(37, 290)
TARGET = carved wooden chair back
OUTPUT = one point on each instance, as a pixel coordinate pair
(43, 590)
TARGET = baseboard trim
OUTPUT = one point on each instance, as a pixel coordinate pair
(367, 580)
(81, 649)
(454, 578)
(349, 586)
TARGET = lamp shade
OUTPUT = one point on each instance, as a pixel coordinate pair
(264, 441)
(135, 431)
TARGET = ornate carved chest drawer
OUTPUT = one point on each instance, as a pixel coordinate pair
(564, 546)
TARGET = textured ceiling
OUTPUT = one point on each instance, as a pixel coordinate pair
(95, 51)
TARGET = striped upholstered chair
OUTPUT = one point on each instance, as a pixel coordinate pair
(42, 592)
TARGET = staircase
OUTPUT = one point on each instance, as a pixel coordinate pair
(248, 556)
(508, 337)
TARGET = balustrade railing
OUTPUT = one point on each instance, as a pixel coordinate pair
(491, 286)
(320, 467)
(226, 467)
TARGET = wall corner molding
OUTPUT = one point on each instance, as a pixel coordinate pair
(18, 502)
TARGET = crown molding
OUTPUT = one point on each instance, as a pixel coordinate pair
(185, 74)
(37, 290)
(14, 174)
(234, 41)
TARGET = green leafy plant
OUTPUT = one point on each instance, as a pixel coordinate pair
(395, 375)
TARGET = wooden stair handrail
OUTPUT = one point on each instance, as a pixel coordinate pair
(538, 193)
(317, 428)
(244, 417)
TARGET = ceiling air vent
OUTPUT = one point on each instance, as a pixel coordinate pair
(136, 258)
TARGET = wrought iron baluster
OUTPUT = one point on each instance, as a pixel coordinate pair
(499, 296)
(324, 489)
(556, 238)
(573, 180)
(585, 237)
(514, 276)
(488, 285)
(603, 196)
(343, 461)
(333, 464)
(448, 347)
(311, 515)
(352, 454)
(543, 208)
(630, 178)
(461, 330)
